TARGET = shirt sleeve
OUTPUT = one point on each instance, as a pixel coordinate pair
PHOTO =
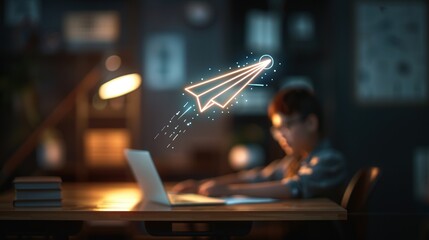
(322, 176)
(273, 171)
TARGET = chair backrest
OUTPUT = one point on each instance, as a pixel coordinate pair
(359, 188)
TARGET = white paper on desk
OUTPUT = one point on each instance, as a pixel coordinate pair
(243, 200)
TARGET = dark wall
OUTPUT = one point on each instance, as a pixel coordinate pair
(377, 135)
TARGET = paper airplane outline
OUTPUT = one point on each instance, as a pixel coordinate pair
(250, 73)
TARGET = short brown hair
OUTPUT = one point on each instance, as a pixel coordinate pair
(296, 101)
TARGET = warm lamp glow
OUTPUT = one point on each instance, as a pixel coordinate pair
(239, 157)
(120, 86)
(245, 156)
(119, 200)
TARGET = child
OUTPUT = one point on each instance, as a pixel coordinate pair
(311, 167)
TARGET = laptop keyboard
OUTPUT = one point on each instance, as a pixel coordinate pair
(177, 198)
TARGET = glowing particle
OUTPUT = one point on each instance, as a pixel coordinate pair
(156, 136)
(163, 129)
(185, 105)
(168, 145)
(175, 137)
(210, 69)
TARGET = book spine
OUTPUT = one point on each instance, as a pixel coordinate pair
(25, 203)
(34, 195)
(40, 186)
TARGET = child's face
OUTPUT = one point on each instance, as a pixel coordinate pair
(290, 132)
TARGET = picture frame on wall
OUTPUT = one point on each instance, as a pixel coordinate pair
(165, 61)
(390, 53)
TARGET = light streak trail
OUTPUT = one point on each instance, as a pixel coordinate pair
(185, 112)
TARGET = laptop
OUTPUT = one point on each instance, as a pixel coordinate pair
(150, 183)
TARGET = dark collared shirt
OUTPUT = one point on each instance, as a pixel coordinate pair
(321, 174)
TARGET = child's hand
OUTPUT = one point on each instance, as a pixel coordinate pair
(213, 189)
(188, 186)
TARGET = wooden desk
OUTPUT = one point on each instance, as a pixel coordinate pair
(120, 201)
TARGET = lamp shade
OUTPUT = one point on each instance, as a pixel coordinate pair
(119, 86)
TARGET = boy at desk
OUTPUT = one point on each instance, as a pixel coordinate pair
(311, 167)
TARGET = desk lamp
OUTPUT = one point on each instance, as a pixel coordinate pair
(120, 85)
(121, 82)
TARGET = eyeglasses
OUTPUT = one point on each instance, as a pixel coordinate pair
(286, 124)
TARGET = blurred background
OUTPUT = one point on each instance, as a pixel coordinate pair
(366, 61)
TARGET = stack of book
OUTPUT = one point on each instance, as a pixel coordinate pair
(37, 191)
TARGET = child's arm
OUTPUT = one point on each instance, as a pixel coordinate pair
(192, 186)
(250, 176)
(273, 189)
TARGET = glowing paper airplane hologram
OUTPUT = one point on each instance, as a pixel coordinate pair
(223, 89)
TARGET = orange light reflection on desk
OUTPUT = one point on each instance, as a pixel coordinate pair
(119, 200)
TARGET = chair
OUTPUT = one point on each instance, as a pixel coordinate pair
(359, 189)
(355, 200)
